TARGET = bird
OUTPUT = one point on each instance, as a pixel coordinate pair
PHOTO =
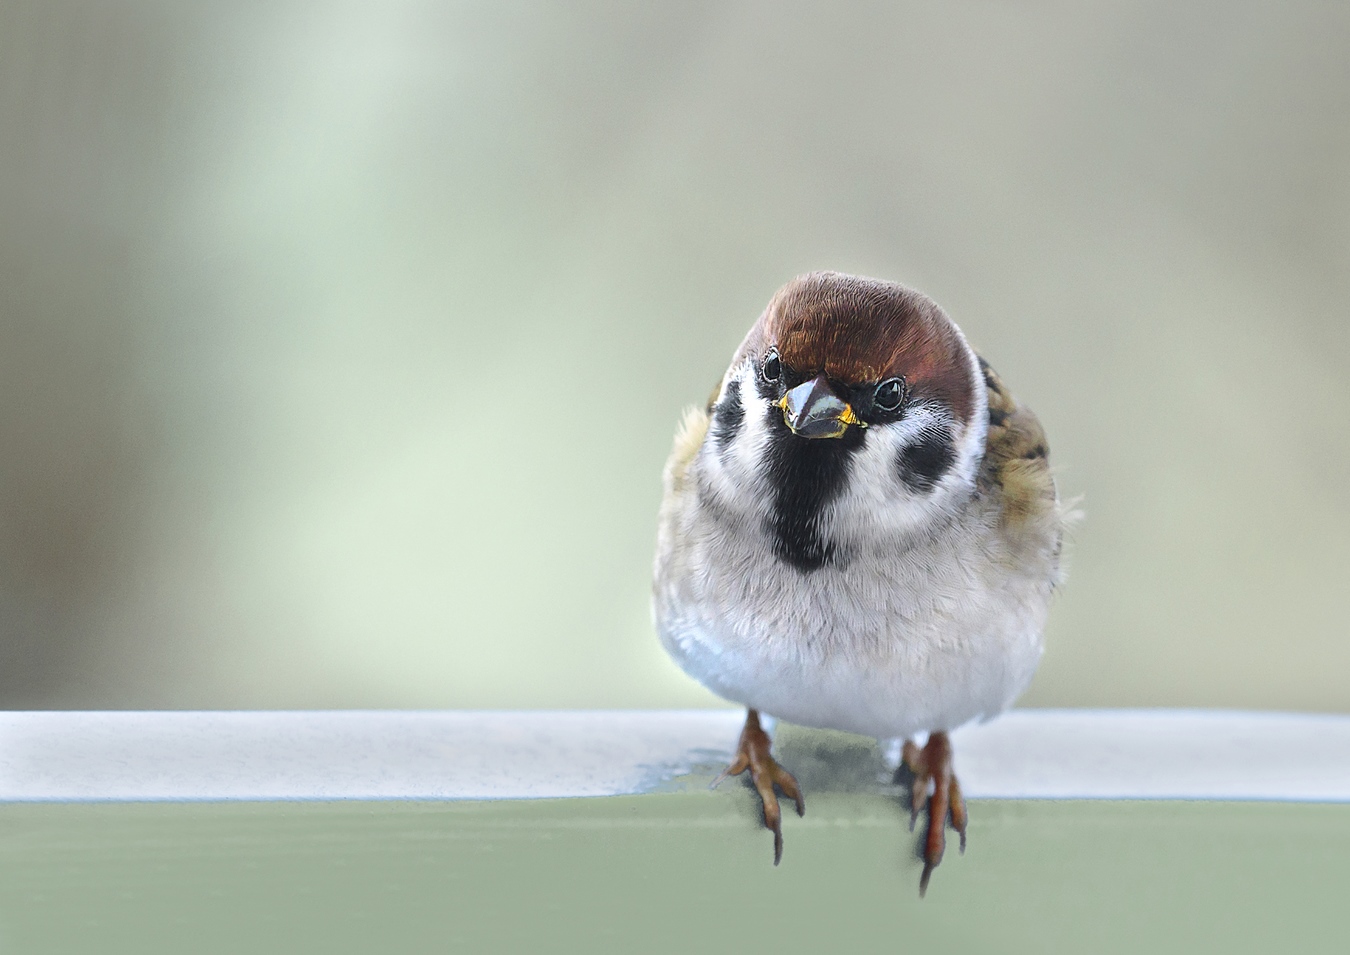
(859, 531)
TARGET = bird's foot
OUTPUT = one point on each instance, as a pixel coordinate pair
(932, 769)
(752, 753)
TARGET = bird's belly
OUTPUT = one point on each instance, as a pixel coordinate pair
(926, 644)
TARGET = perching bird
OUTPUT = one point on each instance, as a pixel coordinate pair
(859, 532)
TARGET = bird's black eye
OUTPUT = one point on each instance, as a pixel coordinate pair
(889, 394)
(772, 366)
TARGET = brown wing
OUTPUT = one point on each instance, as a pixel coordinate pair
(1017, 461)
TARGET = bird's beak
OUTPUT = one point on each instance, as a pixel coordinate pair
(812, 410)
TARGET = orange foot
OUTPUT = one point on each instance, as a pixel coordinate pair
(752, 753)
(933, 765)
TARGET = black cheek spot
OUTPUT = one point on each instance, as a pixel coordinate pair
(728, 416)
(923, 463)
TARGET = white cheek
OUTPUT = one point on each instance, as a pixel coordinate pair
(745, 452)
(877, 503)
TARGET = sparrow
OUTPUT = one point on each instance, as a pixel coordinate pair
(859, 531)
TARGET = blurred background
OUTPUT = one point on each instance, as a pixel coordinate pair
(341, 345)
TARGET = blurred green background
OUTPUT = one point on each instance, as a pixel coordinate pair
(341, 344)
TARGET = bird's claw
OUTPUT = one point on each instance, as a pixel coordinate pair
(753, 753)
(932, 768)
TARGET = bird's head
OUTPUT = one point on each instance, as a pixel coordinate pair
(854, 409)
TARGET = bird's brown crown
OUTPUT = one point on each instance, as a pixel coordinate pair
(859, 330)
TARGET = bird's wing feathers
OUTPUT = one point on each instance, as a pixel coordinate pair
(1017, 462)
(688, 439)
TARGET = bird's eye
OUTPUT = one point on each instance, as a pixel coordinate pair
(889, 394)
(772, 366)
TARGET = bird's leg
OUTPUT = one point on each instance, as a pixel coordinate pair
(752, 753)
(932, 765)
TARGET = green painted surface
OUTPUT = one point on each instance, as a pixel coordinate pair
(683, 871)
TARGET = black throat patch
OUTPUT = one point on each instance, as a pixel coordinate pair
(806, 475)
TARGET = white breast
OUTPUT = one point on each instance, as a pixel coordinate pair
(914, 632)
